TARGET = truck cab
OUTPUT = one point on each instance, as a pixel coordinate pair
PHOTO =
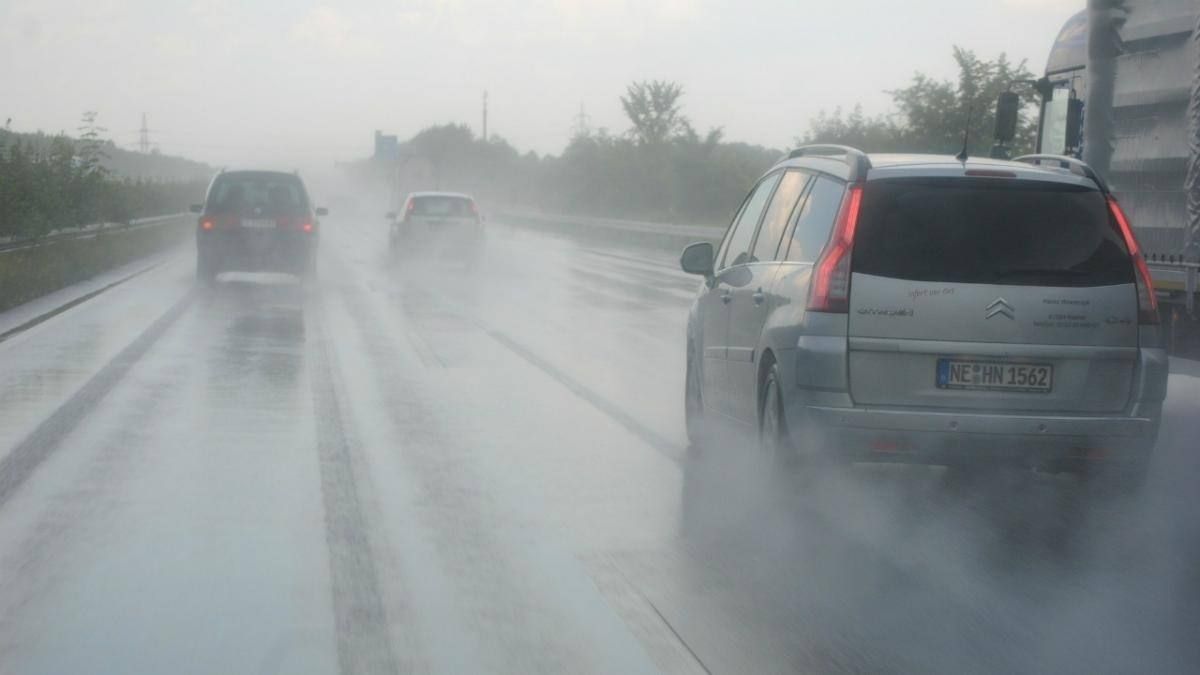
(1122, 107)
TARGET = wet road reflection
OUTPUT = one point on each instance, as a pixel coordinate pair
(415, 467)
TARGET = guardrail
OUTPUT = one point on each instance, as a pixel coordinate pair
(10, 245)
(31, 268)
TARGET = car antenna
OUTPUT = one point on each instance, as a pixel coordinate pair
(962, 155)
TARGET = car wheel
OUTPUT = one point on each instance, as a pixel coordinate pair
(773, 434)
(206, 271)
(308, 273)
(693, 402)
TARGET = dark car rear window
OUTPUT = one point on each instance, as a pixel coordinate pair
(266, 194)
(989, 231)
(446, 207)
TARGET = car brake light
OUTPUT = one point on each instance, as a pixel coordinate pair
(307, 227)
(474, 208)
(830, 289)
(410, 207)
(1147, 301)
(206, 224)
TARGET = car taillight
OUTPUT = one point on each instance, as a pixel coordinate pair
(830, 287)
(307, 227)
(474, 208)
(206, 224)
(1147, 301)
(410, 207)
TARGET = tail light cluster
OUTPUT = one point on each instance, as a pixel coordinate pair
(830, 287)
(214, 222)
(1147, 301)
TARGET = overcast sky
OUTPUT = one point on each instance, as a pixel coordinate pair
(307, 83)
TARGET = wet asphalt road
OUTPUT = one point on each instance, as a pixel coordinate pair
(427, 468)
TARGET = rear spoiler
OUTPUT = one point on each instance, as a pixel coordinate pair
(1072, 164)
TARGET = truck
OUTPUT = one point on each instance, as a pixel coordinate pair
(1121, 91)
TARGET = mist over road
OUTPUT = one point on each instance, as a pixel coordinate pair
(433, 468)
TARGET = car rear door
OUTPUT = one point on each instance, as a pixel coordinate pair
(991, 294)
(715, 305)
(751, 303)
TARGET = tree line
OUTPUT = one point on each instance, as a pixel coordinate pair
(662, 168)
(51, 182)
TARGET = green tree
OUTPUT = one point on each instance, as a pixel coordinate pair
(931, 115)
(653, 109)
(934, 113)
(92, 144)
(872, 134)
(445, 147)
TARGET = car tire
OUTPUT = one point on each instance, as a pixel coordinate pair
(693, 402)
(773, 436)
(308, 274)
(206, 270)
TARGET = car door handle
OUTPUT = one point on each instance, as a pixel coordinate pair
(726, 296)
(758, 297)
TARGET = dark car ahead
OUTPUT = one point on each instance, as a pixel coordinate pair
(256, 221)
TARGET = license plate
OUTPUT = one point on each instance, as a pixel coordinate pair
(967, 374)
(259, 224)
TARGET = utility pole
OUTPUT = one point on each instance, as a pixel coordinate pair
(485, 135)
(144, 137)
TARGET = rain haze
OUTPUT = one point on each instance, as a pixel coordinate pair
(599, 337)
(226, 82)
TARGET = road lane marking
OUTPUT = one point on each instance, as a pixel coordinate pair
(362, 626)
(661, 444)
(46, 316)
(29, 454)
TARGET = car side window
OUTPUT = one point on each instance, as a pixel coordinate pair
(778, 215)
(737, 249)
(815, 219)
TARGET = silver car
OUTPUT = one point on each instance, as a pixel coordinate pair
(922, 308)
(437, 224)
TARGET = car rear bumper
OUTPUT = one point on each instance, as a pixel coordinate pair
(944, 437)
(253, 251)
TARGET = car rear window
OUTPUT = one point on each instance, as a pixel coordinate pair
(446, 207)
(988, 231)
(258, 193)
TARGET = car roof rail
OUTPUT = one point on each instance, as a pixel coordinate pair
(854, 158)
(1076, 166)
